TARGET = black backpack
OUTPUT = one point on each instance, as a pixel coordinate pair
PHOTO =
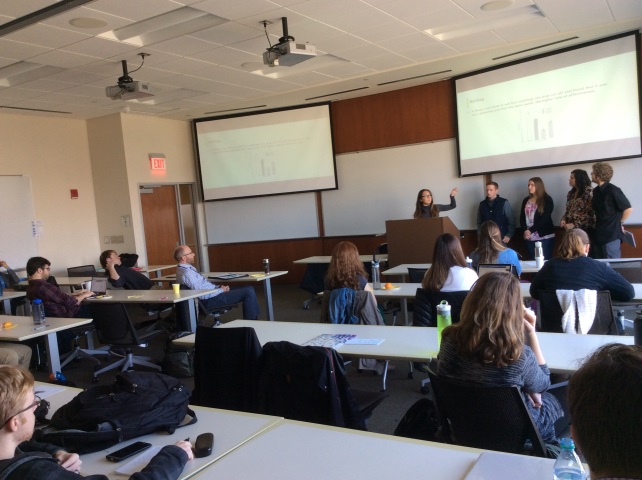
(420, 421)
(136, 404)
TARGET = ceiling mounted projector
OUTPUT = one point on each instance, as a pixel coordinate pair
(127, 88)
(287, 52)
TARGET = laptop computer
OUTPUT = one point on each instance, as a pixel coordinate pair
(98, 286)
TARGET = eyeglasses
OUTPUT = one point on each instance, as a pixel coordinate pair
(426, 195)
(35, 404)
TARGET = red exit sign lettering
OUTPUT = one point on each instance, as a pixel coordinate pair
(157, 163)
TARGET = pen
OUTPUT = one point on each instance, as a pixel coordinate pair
(164, 298)
(41, 327)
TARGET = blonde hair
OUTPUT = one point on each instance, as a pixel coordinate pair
(491, 322)
(15, 382)
(572, 244)
(490, 242)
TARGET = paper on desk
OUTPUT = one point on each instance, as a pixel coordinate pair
(45, 391)
(139, 462)
(504, 466)
(365, 341)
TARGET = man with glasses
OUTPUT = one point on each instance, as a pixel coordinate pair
(221, 295)
(23, 459)
(57, 303)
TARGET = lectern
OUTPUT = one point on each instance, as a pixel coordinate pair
(412, 241)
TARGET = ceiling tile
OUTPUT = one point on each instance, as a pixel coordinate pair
(46, 36)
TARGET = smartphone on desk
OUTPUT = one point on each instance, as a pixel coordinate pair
(128, 451)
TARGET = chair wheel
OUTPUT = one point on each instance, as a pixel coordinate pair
(94, 380)
(410, 376)
(424, 390)
(306, 307)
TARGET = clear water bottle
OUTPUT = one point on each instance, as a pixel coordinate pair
(38, 312)
(539, 255)
(469, 262)
(443, 318)
(266, 266)
(376, 275)
(568, 465)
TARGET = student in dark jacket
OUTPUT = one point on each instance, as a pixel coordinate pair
(35, 461)
(535, 218)
(572, 269)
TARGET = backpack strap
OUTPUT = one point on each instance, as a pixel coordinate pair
(191, 413)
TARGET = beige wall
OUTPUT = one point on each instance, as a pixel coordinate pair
(54, 153)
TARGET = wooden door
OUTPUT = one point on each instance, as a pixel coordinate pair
(161, 224)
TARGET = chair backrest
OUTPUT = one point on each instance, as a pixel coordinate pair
(416, 275)
(551, 314)
(307, 384)
(113, 325)
(345, 305)
(492, 418)
(226, 368)
(81, 271)
(424, 312)
(484, 268)
(632, 270)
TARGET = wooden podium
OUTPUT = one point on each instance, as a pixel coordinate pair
(412, 241)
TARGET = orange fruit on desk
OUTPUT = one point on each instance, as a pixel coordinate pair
(388, 286)
(7, 324)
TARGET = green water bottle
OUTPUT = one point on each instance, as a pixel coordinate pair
(443, 318)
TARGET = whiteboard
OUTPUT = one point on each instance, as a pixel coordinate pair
(17, 244)
(626, 175)
(263, 218)
(380, 185)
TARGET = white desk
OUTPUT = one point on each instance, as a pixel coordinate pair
(327, 258)
(6, 298)
(63, 281)
(154, 296)
(528, 266)
(25, 330)
(297, 450)
(252, 277)
(231, 430)
(154, 269)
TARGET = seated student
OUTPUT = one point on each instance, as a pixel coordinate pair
(38, 461)
(495, 344)
(221, 295)
(604, 398)
(56, 302)
(123, 277)
(449, 271)
(572, 269)
(490, 248)
(346, 269)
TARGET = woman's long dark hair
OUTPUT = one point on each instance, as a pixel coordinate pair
(582, 182)
(447, 253)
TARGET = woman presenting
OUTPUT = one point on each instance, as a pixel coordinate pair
(535, 218)
(425, 208)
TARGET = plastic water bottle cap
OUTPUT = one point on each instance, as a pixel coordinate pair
(567, 444)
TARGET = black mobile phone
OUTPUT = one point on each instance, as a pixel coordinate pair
(128, 451)
(203, 445)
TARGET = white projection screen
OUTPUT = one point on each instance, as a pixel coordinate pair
(575, 105)
(268, 153)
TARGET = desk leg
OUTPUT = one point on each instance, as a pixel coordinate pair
(267, 290)
(404, 306)
(7, 306)
(637, 329)
(192, 314)
(52, 352)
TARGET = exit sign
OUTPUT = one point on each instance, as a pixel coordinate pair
(157, 162)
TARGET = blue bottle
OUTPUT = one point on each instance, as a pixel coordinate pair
(568, 465)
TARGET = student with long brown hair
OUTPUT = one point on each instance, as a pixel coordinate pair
(426, 208)
(536, 220)
(490, 248)
(495, 344)
(449, 271)
(346, 269)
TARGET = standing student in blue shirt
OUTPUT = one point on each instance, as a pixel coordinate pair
(221, 295)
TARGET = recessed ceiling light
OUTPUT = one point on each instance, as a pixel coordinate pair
(86, 22)
(496, 5)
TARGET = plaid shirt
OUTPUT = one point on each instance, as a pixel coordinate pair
(192, 279)
(56, 302)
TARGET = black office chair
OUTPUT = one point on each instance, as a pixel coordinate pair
(551, 314)
(81, 271)
(226, 368)
(205, 314)
(115, 328)
(490, 418)
(310, 384)
(416, 275)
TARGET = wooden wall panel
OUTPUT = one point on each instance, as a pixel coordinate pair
(402, 117)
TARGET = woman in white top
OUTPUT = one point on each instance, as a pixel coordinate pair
(448, 272)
